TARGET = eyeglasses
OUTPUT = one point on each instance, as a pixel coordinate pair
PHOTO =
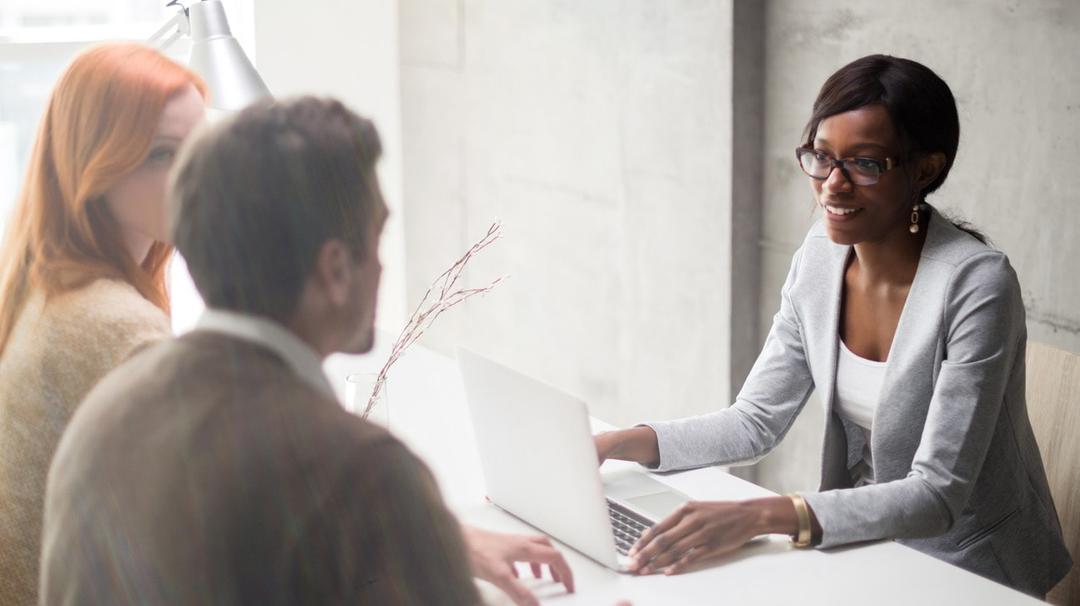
(859, 170)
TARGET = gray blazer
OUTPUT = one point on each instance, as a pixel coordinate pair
(959, 475)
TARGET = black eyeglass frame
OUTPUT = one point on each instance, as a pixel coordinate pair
(841, 163)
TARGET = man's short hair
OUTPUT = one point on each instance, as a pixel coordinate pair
(254, 199)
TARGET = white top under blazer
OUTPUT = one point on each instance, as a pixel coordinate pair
(957, 472)
(858, 391)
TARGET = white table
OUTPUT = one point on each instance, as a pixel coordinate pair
(428, 412)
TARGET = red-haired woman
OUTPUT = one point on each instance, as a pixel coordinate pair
(82, 266)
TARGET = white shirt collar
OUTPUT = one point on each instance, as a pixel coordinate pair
(300, 357)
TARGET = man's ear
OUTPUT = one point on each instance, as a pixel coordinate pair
(333, 265)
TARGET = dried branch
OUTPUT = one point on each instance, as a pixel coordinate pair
(429, 309)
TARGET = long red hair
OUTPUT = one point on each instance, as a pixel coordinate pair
(98, 127)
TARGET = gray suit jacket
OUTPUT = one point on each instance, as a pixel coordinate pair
(958, 472)
(205, 471)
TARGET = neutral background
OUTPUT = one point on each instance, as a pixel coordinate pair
(639, 154)
(604, 135)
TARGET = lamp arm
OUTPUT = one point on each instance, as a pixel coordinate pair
(178, 25)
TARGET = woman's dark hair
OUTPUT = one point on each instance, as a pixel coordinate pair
(919, 103)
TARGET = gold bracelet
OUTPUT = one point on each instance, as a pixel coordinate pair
(803, 513)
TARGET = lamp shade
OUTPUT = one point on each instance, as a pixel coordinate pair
(218, 58)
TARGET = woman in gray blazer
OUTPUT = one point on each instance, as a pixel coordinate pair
(912, 330)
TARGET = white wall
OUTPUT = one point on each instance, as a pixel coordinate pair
(348, 50)
(600, 133)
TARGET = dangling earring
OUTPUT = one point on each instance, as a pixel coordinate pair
(914, 219)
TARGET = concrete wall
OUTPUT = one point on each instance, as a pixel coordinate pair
(1013, 67)
(601, 134)
(348, 50)
(633, 147)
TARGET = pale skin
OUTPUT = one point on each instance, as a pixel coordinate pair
(876, 283)
(137, 200)
(336, 313)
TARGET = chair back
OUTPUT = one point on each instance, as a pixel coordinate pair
(1053, 402)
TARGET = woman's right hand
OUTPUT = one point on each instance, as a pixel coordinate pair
(637, 444)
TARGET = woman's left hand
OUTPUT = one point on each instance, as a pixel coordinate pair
(697, 532)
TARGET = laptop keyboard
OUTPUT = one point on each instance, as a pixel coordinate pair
(627, 525)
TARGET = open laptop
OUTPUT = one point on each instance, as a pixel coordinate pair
(539, 461)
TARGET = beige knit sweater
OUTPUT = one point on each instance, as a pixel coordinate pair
(55, 354)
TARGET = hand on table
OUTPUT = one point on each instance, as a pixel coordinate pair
(697, 532)
(492, 556)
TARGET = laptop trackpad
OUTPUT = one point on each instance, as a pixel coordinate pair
(643, 493)
(657, 506)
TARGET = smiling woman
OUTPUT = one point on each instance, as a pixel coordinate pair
(912, 330)
(82, 268)
(900, 116)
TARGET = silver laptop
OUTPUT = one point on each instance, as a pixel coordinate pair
(539, 461)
